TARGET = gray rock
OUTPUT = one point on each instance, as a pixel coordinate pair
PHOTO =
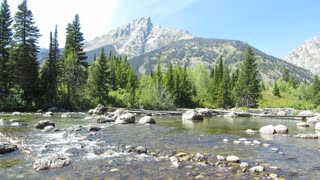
(267, 129)
(221, 158)
(6, 148)
(94, 128)
(198, 157)
(42, 124)
(205, 112)
(192, 115)
(244, 165)
(174, 162)
(99, 109)
(147, 120)
(317, 126)
(281, 113)
(303, 124)
(65, 115)
(48, 128)
(250, 131)
(313, 120)
(256, 169)
(141, 150)
(51, 162)
(104, 119)
(125, 119)
(48, 114)
(233, 159)
(231, 114)
(307, 136)
(306, 113)
(16, 113)
(281, 129)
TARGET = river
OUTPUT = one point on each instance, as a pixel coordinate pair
(296, 158)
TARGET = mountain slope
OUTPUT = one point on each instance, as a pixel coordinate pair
(206, 51)
(137, 37)
(307, 55)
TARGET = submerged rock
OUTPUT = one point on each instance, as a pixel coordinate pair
(51, 162)
(267, 129)
(307, 136)
(42, 124)
(48, 129)
(16, 114)
(281, 129)
(147, 120)
(205, 112)
(6, 148)
(192, 115)
(302, 124)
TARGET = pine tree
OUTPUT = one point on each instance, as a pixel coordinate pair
(315, 89)
(248, 88)
(184, 89)
(132, 85)
(49, 73)
(285, 75)
(24, 53)
(224, 99)
(73, 66)
(5, 38)
(276, 91)
(169, 79)
(99, 79)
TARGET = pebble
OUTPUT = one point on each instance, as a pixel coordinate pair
(233, 159)
(266, 145)
(225, 140)
(281, 153)
(114, 170)
(273, 176)
(247, 142)
(274, 149)
(244, 165)
(256, 169)
(243, 139)
(221, 158)
(236, 142)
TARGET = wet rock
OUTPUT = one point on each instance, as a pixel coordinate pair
(99, 109)
(88, 118)
(274, 149)
(256, 142)
(313, 120)
(250, 131)
(48, 114)
(244, 165)
(16, 114)
(307, 136)
(233, 158)
(266, 145)
(180, 154)
(317, 126)
(230, 114)
(48, 128)
(65, 115)
(147, 120)
(247, 142)
(114, 170)
(141, 150)
(42, 124)
(256, 169)
(174, 162)
(221, 158)
(94, 128)
(51, 162)
(198, 157)
(104, 119)
(225, 140)
(267, 129)
(281, 129)
(6, 148)
(118, 112)
(236, 142)
(125, 119)
(243, 139)
(192, 115)
(109, 152)
(302, 124)
(281, 113)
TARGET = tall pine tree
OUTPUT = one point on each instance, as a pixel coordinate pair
(24, 53)
(248, 88)
(5, 38)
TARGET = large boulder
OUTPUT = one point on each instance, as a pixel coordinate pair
(267, 129)
(147, 120)
(6, 148)
(125, 119)
(205, 112)
(100, 109)
(281, 129)
(42, 124)
(192, 115)
(51, 162)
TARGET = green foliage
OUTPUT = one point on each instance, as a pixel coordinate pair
(276, 91)
(224, 98)
(247, 87)
(285, 75)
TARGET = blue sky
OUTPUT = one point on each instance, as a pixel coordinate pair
(273, 26)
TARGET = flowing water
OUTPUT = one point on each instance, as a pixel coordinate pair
(297, 158)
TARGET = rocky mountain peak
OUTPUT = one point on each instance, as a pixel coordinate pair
(137, 37)
(307, 55)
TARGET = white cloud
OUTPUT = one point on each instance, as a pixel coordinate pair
(95, 16)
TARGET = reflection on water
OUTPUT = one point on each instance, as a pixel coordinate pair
(168, 136)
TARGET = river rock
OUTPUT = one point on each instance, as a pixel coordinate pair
(147, 120)
(48, 128)
(104, 119)
(6, 148)
(307, 136)
(16, 114)
(313, 120)
(303, 124)
(42, 124)
(48, 114)
(125, 119)
(256, 142)
(99, 109)
(306, 113)
(317, 126)
(174, 162)
(198, 157)
(231, 114)
(281, 129)
(244, 165)
(65, 115)
(267, 129)
(221, 158)
(53, 161)
(233, 159)
(281, 113)
(94, 128)
(140, 150)
(256, 169)
(250, 131)
(192, 115)
(205, 112)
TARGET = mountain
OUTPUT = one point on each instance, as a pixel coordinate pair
(196, 51)
(307, 55)
(137, 37)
